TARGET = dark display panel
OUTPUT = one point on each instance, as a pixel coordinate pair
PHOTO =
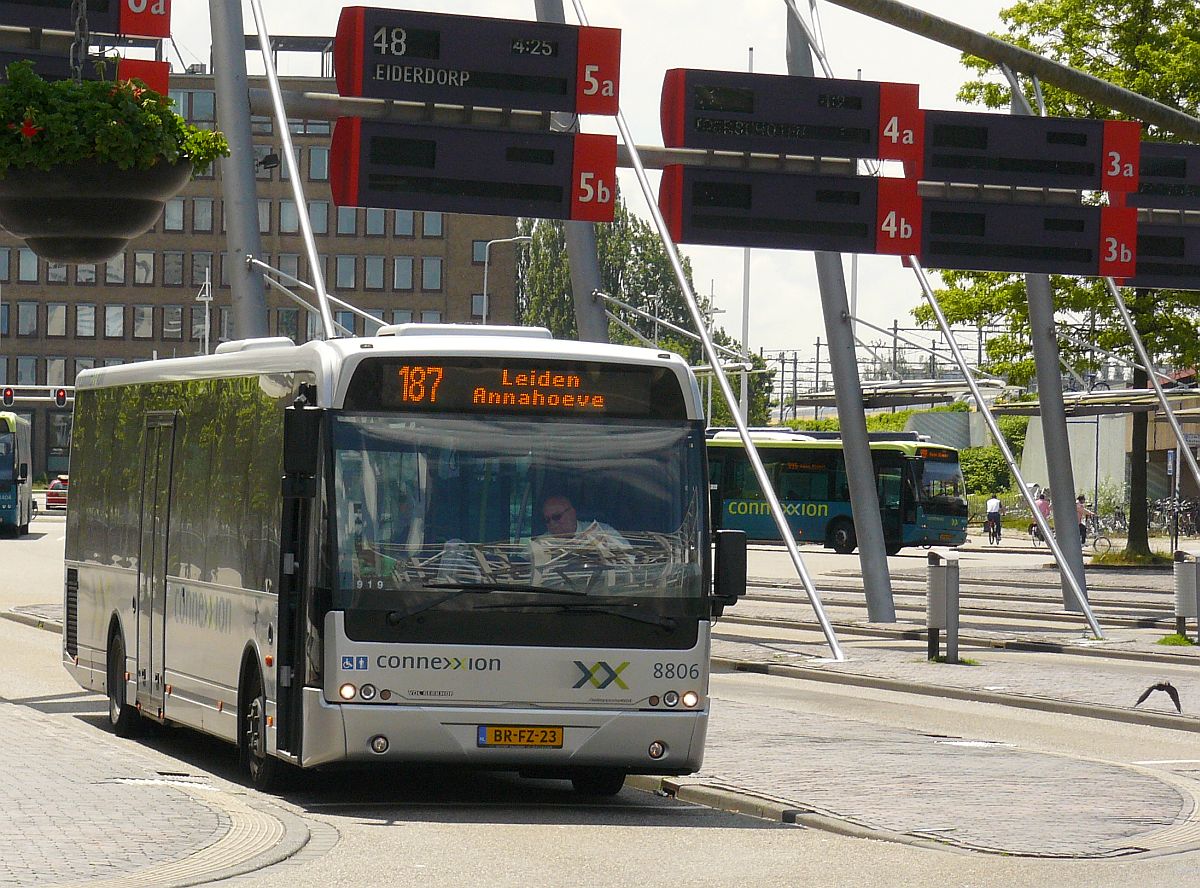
(500, 173)
(470, 60)
(1168, 257)
(515, 386)
(1169, 177)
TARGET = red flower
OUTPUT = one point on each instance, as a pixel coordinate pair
(28, 129)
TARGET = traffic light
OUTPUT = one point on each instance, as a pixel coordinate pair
(9, 396)
(60, 397)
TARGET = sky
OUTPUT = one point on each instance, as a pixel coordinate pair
(716, 34)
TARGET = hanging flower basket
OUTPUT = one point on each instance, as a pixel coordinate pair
(86, 167)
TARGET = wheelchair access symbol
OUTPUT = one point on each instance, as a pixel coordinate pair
(593, 674)
(354, 663)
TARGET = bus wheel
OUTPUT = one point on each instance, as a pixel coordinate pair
(122, 718)
(841, 537)
(893, 548)
(598, 782)
(263, 769)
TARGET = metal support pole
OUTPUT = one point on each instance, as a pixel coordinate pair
(847, 389)
(710, 352)
(582, 254)
(941, 605)
(1144, 357)
(1026, 494)
(237, 170)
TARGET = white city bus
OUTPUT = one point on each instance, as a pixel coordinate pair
(338, 552)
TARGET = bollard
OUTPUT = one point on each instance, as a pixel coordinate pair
(941, 611)
(1187, 592)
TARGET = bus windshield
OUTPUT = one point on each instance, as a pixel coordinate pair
(478, 514)
(942, 488)
(8, 450)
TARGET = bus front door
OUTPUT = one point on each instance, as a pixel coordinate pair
(152, 560)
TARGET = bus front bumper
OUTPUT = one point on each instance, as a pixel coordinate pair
(450, 735)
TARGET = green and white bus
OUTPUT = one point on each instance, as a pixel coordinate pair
(338, 552)
(922, 498)
(16, 487)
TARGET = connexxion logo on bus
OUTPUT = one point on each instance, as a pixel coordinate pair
(800, 510)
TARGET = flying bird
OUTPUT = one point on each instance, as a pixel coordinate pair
(1162, 686)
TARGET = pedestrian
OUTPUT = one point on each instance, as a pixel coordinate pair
(994, 509)
(1043, 507)
(1083, 513)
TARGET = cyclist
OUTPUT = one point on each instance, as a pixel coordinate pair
(1043, 507)
(994, 509)
(1083, 513)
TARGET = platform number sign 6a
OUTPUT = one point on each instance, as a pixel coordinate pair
(146, 18)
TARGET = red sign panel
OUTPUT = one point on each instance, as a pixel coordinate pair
(145, 18)
(155, 75)
(898, 218)
(1118, 241)
(1122, 153)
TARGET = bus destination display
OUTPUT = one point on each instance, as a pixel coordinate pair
(496, 173)
(471, 60)
(514, 386)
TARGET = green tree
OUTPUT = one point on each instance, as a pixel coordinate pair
(1153, 48)
(634, 268)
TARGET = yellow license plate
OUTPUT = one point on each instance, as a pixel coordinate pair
(520, 735)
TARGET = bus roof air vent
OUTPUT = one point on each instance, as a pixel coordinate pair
(463, 330)
(240, 345)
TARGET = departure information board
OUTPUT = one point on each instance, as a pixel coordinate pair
(1168, 257)
(1169, 177)
(139, 18)
(459, 170)
(469, 60)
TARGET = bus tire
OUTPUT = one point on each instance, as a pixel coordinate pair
(263, 770)
(841, 537)
(893, 548)
(598, 781)
(123, 719)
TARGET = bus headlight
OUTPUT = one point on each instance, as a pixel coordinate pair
(671, 698)
(657, 749)
(347, 691)
(690, 699)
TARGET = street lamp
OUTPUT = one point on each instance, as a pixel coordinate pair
(487, 255)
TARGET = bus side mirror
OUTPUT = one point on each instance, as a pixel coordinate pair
(301, 449)
(23, 473)
(729, 570)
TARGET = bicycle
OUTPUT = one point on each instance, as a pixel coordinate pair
(993, 531)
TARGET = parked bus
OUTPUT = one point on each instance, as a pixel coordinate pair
(16, 487)
(922, 498)
(338, 551)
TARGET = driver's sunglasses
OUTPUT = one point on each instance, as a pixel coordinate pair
(555, 517)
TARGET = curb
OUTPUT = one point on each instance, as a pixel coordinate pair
(31, 620)
(1016, 701)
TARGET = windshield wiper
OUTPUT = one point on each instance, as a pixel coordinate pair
(668, 623)
(460, 589)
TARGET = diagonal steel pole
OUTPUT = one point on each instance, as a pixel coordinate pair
(710, 352)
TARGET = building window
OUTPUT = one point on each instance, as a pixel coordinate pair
(201, 269)
(27, 318)
(373, 272)
(82, 364)
(376, 223)
(202, 214)
(264, 216)
(143, 268)
(114, 270)
(56, 273)
(402, 273)
(85, 321)
(56, 319)
(431, 225)
(289, 263)
(225, 266)
(479, 252)
(431, 316)
(431, 273)
(402, 316)
(85, 274)
(260, 126)
(204, 106)
(284, 175)
(477, 305)
(26, 371)
(173, 268)
(5, 254)
(198, 324)
(318, 215)
(370, 329)
(172, 322)
(173, 215)
(226, 322)
(289, 219)
(346, 268)
(143, 322)
(3, 329)
(56, 371)
(344, 319)
(287, 323)
(113, 362)
(27, 266)
(403, 226)
(318, 164)
(347, 220)
(114, 322)
(260, 153)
